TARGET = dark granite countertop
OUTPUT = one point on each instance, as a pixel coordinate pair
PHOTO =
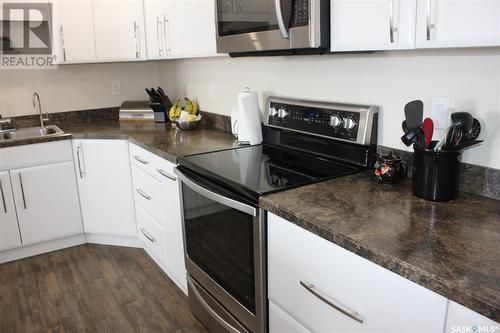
(161, 139)
(450, 248)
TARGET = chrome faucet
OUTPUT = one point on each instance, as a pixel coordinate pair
(42, 119)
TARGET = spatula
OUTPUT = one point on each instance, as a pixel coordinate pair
(414, 113)
(428, 129)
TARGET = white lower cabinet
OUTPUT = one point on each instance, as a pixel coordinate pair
(329, 289)
(105, 187)
(46, 198)
(158, 210)
(461, 319)
(9, 229)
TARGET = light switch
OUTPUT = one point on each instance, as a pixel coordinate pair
(116, 88)
(440, 112)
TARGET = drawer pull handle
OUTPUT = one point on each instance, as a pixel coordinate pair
(334, 304)
(143, 194)
(143, 161)
(148, 235)
(165, 174)
(3, 197)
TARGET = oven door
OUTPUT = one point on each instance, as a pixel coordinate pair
(265, 25)
(223, 239)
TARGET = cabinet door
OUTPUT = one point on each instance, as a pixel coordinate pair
(74, 31)
(372, 25)
(155, 25)
(9, 229)
(190, 28)
(105, 187)
(457, 23)
(329, 289)
(461, 319)
(173, 228)
(47, 204)
(119, 30)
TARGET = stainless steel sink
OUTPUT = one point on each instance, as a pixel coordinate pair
(31, 133)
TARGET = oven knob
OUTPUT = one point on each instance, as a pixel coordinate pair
(335, 121)
(349, 124)
(273, 112)
(282, 113)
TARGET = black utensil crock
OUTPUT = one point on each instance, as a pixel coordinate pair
(436, 174)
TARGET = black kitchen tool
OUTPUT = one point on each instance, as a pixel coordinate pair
(463, 119)
(414, 113)
(466, 144)
(475, 130)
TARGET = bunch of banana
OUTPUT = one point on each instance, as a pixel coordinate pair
(175, 111)
(191, 106)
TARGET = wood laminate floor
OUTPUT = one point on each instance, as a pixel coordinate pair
(91, 288)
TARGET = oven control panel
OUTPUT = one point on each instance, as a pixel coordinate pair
(345, 122)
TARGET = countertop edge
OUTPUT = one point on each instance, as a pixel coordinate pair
(430, 281)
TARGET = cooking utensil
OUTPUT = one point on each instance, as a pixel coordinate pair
(475, 130)
(428, 129)
(463, 119)
(414, 112)
(441, 144)
(466, 144)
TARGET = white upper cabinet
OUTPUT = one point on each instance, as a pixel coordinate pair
(9, 229)
(370, 25)
(457, 23)
(74, 31)
(119, 30)
(179, 28)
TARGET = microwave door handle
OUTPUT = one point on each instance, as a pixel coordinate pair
(283, 14)
(216, 196)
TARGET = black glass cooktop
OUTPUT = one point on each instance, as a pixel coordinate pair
(264, 168)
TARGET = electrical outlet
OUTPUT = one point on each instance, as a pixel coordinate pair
(211, 89)
(116, 88)
(440, 112)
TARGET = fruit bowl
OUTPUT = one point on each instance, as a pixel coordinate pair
(187, 125)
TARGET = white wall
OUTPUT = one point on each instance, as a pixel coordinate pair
(471, 78)
(74, 87)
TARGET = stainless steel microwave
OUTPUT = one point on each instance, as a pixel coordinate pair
(261, 27)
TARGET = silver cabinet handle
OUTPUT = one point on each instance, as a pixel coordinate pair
(143, 194)
(148, 235)
(207, 307)
(143, 161)
(3, 197)
(137, 52)
(281, 20)
(165, 34)
(61, 36)
(166, 174)
(334, 304)
(22, 190)
(428, 23)
(158, 24)
(79, 154)
(392, 29)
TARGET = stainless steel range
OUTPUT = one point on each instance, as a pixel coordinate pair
(224, 228)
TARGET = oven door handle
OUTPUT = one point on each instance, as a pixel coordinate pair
(215, 196)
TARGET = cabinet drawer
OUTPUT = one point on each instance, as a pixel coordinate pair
(151, 234)
(282, 322)
(148, 194)
(152, 164)
(326, 287)
(35, 154)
